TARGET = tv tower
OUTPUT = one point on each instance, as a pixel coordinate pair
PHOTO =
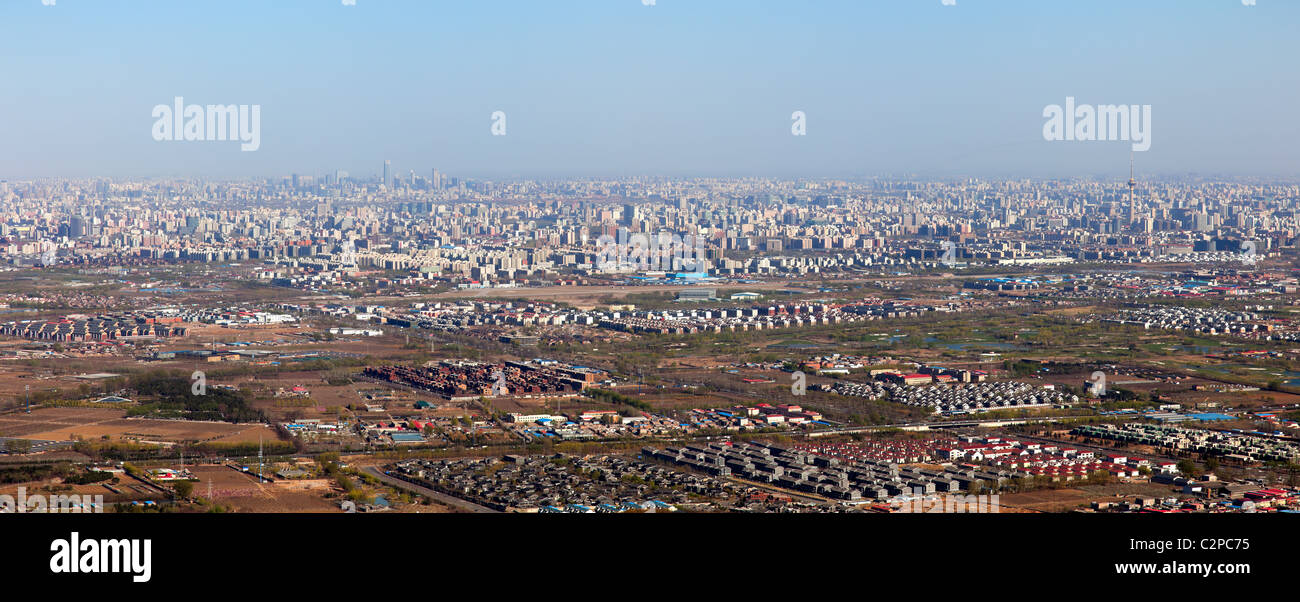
(1132, 185)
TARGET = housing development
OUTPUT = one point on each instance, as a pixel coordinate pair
(432, 343)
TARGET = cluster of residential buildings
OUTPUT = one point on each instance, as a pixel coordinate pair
(739, 418)
(1207, 320)
(895, 451)
(846, 481)
(719, 320)
(837, 363)
(593, 425)
(459, 380)
(466, 316)
(1060, 463)
(108, 327)
(561, 483)
(1237, 282)
(1241, 447)
(916, 390)
(610, 424)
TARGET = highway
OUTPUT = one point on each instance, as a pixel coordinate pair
(37, 445)
(425, 491)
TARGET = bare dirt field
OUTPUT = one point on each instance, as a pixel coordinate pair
(17, 376)
(248, 433)
(242, 492)
(319, 394)
(1064, 500)
(94, 423)
(326, 401)
(1128, 489)
(43, 422)
(1047, 500)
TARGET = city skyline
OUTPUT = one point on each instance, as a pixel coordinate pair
(334, 269)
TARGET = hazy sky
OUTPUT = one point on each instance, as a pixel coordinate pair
(681, 88)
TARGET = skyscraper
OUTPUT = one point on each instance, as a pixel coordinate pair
(387, 166)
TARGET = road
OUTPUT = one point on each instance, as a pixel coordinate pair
(425, 491)
(925, 426)
(37, 445)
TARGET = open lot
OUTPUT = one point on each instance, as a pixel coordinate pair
(95, 423)
(243, 493)
(1046, 500)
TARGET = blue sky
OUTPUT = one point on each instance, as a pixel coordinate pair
(681, 88)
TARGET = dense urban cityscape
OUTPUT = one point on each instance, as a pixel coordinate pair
(610, 292)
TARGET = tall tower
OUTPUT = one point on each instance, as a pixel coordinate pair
(387, 164)
(1132, 185)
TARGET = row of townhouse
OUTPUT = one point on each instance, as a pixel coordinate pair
(87, 330)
